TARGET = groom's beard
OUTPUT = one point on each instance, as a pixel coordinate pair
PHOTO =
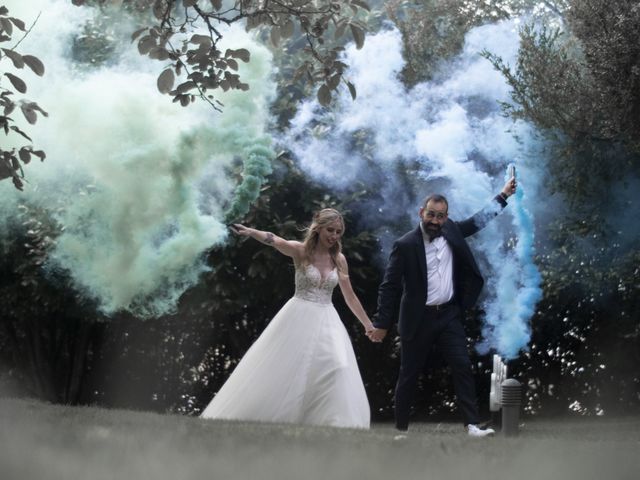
(432, 230)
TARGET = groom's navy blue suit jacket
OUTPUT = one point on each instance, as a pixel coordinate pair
(405, 279)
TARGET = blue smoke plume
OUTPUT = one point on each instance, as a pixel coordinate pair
(517, 287)
(447, 136)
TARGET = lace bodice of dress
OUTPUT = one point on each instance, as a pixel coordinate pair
(312, 287)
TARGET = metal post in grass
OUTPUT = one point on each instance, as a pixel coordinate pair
(498, 376)
(510, 401)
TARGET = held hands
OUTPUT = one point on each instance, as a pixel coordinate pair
(376, 335)
(368, 327)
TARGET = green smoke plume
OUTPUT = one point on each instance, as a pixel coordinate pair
(140, 187)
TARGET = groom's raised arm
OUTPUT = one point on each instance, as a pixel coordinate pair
(480, 219)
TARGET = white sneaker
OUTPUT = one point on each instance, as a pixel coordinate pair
(474, 431)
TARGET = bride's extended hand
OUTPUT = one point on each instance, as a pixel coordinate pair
(239, 229)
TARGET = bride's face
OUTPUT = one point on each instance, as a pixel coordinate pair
(329, 235)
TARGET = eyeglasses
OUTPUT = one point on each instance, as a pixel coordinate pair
(432, 214)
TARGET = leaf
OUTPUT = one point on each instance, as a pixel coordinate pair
(275, 36)
(15, 57)
(232, 64)
(145, 44)
(186, 86)
(35, 106)
(334, 81)
(159, 10)
(3, 10)
(340, 30)
(40, 154)
(24, 155)
(18, 23)
(216, 4)
(29, 113)
(232, 78)
(241, 53)
(17, 83)
(361, 4)
(34, 64)
(17, 130)
(9, 107)
(324, 95)
(201, 40)
(358, 35)
(287, 29)
(166, 80)
(159, 53)
(18, 183)
(6, 26)
(352, 90)
(137, 33)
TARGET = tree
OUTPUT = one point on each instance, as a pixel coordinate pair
(578, 82)
(581, 87)
(46, 328)
(205, 67)
(433, 31)
(10, 160)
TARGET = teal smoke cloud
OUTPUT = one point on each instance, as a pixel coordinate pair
(141, 187)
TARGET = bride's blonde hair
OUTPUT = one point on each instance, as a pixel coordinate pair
(321, 219)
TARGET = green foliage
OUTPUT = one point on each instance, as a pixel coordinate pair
(608, 34)
(10, 160)
(433, 31)
(44, 327)
(586, 340)
(581, 87)
(577, 82)
(207, 68)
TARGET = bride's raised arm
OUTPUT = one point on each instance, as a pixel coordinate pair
(291, 248)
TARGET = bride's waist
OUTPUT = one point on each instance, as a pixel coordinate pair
(312, 298)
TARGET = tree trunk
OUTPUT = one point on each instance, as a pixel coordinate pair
(78, 352)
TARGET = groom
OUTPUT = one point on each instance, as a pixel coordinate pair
(433, 276)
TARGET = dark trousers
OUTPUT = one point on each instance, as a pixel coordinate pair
(443, 329)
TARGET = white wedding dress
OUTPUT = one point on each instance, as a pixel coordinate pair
(302, 369)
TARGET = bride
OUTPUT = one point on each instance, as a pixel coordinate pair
(302, 368)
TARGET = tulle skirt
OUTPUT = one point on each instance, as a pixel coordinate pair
(302, 369)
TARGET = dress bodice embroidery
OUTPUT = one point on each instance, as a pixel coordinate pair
(312, 287)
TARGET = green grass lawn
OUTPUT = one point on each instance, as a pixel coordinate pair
(42, 441)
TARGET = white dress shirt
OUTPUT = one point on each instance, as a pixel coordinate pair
(439, 269)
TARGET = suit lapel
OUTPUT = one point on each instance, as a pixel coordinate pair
(459, 246)
(447, 233)
(422, 256)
